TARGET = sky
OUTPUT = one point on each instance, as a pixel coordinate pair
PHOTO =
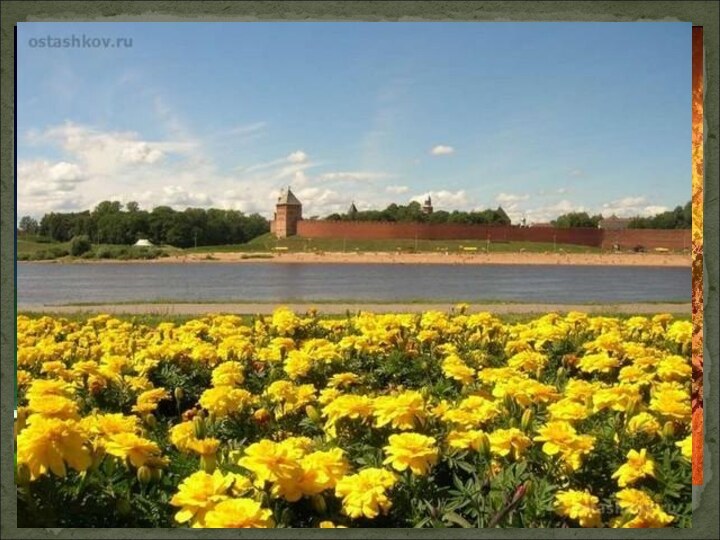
(539, 118)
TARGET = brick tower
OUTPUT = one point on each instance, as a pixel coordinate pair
(288, 211)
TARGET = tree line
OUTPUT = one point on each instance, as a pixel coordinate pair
(111, 223)
(412, 212)
(679, 218)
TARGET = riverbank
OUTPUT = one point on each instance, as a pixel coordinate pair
(559, 258)
(169, 309)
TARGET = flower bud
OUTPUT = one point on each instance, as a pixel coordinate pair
(484, 445)
(144, 475)
(151, 421)
(312, 413)
(319, 504)
(199, 427)
(508, 402)
(22, 474)
(561, 372)
(157, 474)
(631, 409)
(208, 463)
(668, 431)
(179, 394)
(211, 418)
(526, 421)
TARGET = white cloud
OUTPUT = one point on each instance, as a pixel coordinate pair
(298, 157)
(357, 176)
(630, 207)
(507, 198)
(452, 200)
(397, 189)
(107, 152)
(442, 150)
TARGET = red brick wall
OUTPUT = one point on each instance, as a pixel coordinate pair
(365, 230)
(445, 231)
(648, 238)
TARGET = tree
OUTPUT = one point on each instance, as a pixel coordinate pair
(573, 220)
(79, 245)
(29, 225)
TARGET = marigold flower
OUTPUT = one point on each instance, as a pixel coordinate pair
(685, 447)
(637, 466)
(48, 444)
(411, 450)
(225, 400)
(238, 513)
(402, 411)
(365, 493)
(513, 442)
(199, 493)
(578, 505)
(132, 447)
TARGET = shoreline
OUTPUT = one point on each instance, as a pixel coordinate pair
(567, 259)
(639, 308)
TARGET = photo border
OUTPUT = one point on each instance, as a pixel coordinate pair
(705, 14)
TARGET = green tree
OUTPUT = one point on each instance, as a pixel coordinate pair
(29, 225)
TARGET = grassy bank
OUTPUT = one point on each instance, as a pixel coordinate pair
(42, 249)
(268, 243)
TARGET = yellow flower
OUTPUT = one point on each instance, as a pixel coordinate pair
(322, 470)
(454, 368)
(671, 401)
(47, 444)
(54, 406)
(148, 401)
(473, 439)
(270, 462)
(237, 514)
(204, 447)
(225, 400)
(330, 525)
(411, 450)
(646, 512)
(228, 374)
(686, 447)
(182, 434)
(365, 493)
(129, 446)
(568, 409)
(513, 442)
(402, 411)
(578, 505)
(637, 466)
(343, 379)
(347, 406)
(643, 423)
(528, 361)
(199, 493)
(600, 362)
(561, 438)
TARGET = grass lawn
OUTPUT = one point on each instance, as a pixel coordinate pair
(268, 242)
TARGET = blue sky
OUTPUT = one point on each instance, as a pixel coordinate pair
(541, 118)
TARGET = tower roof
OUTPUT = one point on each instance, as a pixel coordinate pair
(288, 197)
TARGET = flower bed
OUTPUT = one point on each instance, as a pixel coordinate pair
(435, 420)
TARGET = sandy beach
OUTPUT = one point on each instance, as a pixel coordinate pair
(588, 259)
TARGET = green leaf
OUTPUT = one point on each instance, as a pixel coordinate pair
(458, 520)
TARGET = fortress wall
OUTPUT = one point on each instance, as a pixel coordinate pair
(366, 230)
(648, 238)
(625, 239)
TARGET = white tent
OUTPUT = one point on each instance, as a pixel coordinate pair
(143, 242)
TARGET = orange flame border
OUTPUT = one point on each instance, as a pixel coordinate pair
(697, 254)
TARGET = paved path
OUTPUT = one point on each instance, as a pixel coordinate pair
(265, 308)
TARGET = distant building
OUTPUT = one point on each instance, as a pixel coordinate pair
(143, 242)
(288, 211)
(352, 211)
(427, 207)
(613, 223)
(543, 225)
